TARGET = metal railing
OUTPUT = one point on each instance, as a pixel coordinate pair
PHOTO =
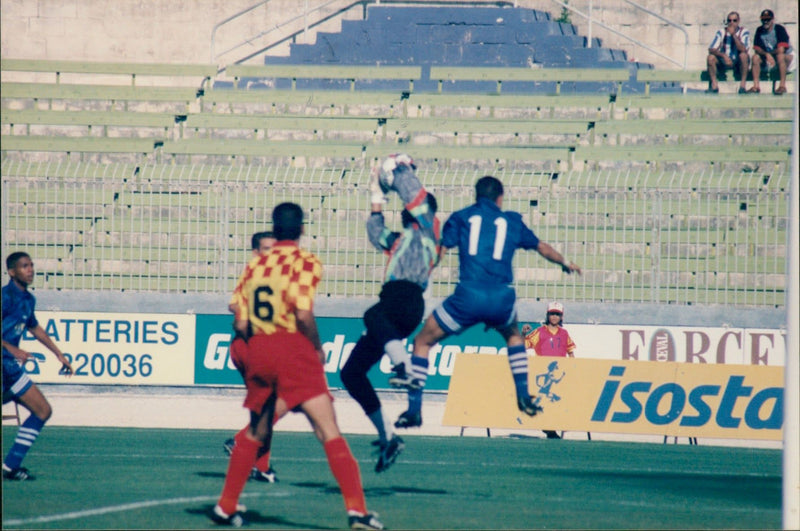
(641, 236)
(592, 22)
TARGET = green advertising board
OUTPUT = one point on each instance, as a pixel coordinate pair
(339, 335)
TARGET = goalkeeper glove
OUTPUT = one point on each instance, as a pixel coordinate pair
(376, 193)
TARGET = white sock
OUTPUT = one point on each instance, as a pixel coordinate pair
(398, 354)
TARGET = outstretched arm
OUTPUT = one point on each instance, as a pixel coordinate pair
(550, 254)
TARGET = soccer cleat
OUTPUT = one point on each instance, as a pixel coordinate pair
(228, 446)
(267, 477)
(552, 434)
(357, 520)
(528, 406)
(388, 453)
(234, 520)
(403, 380)
(17, 474)
(409, 420)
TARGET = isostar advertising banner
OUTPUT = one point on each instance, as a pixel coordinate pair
(339, 335)
(108, 348)
(656, 398)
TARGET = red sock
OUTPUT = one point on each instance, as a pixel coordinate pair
(345, 469)
(262, 463)
(242, 459)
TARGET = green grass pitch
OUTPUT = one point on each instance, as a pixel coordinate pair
(110, 478)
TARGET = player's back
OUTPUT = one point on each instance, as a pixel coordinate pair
(278, 283)
(487, 238)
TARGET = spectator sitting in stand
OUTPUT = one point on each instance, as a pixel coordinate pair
(771, 47)
(729, 49)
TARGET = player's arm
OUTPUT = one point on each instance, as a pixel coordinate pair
(307, 325)
(40, 334)
(17, 352)
(550, 254)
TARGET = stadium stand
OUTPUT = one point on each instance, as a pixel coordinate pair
(662, 197)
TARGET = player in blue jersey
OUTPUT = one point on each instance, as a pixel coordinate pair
(412, 255)
(18, 316)
(486, 238)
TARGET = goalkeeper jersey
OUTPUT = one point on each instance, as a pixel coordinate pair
(274, 285)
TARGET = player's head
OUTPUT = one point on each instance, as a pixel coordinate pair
(287, 221)
(489, 187)
(408, 219)
(20, 268)
(555, 314)
(262, 241)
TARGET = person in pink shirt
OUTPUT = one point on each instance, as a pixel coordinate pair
(551, 339)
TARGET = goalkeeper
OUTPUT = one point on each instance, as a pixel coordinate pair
(486, 238)
(412, 254)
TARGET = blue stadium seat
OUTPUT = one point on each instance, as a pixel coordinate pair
(454, 36)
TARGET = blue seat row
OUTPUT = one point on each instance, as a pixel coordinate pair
(456, 36)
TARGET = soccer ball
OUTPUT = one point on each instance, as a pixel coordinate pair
(386, 173)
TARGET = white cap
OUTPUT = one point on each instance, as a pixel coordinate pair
(555, 307)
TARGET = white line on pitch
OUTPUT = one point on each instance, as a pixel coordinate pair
(124, 507)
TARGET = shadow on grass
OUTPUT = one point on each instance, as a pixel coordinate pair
(374, 492)
(256, 518)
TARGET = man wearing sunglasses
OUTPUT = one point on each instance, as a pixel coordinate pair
(729, 49)
(771, 48)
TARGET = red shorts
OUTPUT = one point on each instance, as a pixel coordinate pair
(282, 361)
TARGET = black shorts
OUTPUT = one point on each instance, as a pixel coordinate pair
(401, 306)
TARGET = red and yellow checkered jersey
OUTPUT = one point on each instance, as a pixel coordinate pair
(276, 284)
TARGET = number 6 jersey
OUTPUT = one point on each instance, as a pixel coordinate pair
(274, 285)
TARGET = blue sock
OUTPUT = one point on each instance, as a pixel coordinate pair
(415, 400)
(419, 366)
(26, 436)
(518, 360)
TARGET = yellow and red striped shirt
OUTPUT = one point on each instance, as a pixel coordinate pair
(274, 285)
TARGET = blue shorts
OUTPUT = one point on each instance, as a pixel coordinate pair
(471, 304)
(15, 380)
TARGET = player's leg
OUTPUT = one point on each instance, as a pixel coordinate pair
(402, 307)
(366, 353)
(518, 362)
(18, 386)
(243, 457)
(343, 465)
(262, 471)
(249, 441)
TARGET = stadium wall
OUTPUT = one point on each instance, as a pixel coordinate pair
(179, 31)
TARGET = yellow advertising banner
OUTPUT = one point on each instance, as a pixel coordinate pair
(114, 348)
(640, 397)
